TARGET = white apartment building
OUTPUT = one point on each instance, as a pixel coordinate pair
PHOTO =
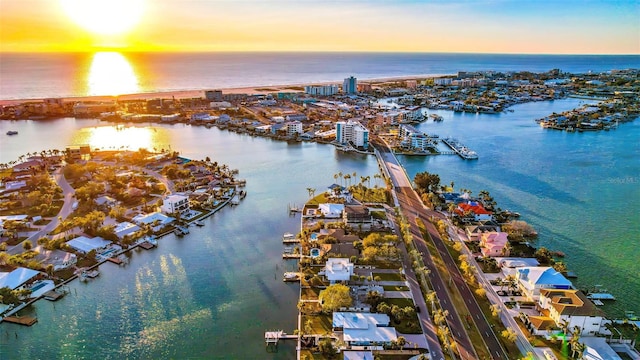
(352, 132)
(321, 90)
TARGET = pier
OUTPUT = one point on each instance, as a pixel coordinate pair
(21, 320)
(289, 238)
(460, 149)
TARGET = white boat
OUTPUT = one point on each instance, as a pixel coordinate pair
(199, 223)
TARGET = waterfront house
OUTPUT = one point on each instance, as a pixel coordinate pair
(357, 216)
(84, 244)
(156, 219)
(364, 329)
(494, 244)
(357, 355)
(338, 269)
(58, 258)
(333, 211)
(175, 204)
(17, 278)
(475, 231)
(125, 228)
(532, 279)
(573, 307)
(475, 209)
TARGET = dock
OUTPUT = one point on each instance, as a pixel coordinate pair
(53, 295)
(115, 260)
(291, 256)
(600, 296)
(146, 245)
(289, 238)
(460, 149)
(272, 337)
(21, 320)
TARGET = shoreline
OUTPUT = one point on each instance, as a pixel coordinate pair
(191, 93)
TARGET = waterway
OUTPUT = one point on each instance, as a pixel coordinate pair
(213, 293)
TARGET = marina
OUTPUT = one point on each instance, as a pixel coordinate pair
(460, 149)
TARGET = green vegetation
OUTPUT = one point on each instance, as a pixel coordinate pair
(334, 297)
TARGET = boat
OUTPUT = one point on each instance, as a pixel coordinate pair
(92, 274)
(291, 276)
(199, 223)
(12, 132)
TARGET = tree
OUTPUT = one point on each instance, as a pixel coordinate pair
(426, 182)
(401, 342)
(326, 348)
(510, 335)
(373, 298)
(495, 310)
(334, 297)
(27, 245)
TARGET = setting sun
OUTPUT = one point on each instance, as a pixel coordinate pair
(104, 17)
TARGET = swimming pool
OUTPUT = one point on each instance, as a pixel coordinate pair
(314, 253)
(313, 236)
(38, 286)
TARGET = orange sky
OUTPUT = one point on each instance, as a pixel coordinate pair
(495, 26)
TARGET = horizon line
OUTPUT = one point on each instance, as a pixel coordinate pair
(120, 50)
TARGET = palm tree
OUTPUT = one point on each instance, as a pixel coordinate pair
(376, 177)
(340, 176)
(311, 191)
(347, 177)
(575, 340)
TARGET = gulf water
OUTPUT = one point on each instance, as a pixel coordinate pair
(26, 76)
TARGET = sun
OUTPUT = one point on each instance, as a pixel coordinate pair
(104, 17)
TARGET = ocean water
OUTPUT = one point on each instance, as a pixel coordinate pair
(27, 75)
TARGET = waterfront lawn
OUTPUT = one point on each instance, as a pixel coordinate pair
(320, 324)
(317, 200)
(310, 293)
(389, 277)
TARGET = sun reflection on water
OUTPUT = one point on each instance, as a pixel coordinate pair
(111, 74)
(123, 138)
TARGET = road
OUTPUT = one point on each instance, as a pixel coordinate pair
(65, 211)
(413, 209)
(428, 329)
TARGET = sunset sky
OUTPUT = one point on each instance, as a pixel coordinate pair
(492, 26)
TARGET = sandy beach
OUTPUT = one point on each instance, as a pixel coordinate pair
(198, 93)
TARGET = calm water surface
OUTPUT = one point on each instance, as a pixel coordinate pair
(213, 293)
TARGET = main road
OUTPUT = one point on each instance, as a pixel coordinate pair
(413, 208)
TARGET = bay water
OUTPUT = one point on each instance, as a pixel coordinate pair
(214, 292)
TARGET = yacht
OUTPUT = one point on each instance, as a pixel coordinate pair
(12, 132)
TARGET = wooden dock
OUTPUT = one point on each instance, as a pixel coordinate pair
(146, 245)
(21, 320)
(115, 260)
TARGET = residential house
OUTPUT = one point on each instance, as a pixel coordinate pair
(475, 209)
(175, 204)
(333, 211)
(364, 329)
(532, 279)
(338, 269)
(125, 228)
(357, 216)
(475, 231)
(84, 244)
(573, 307)
(58, 258)
(17, 278)
(494, 244)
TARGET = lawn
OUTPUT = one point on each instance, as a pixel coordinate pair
(389, 277)
(400, 302)
(310, 293)
(320, 324)
(395, 288)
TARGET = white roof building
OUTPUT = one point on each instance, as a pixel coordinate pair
(17, 277)
(331, 210)
(364, 329)
(58, 258)
(145, 219)
(338, 269)
(125, 228)
(534, 278)
(598, 349)
(175, 203)
(85, 244)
